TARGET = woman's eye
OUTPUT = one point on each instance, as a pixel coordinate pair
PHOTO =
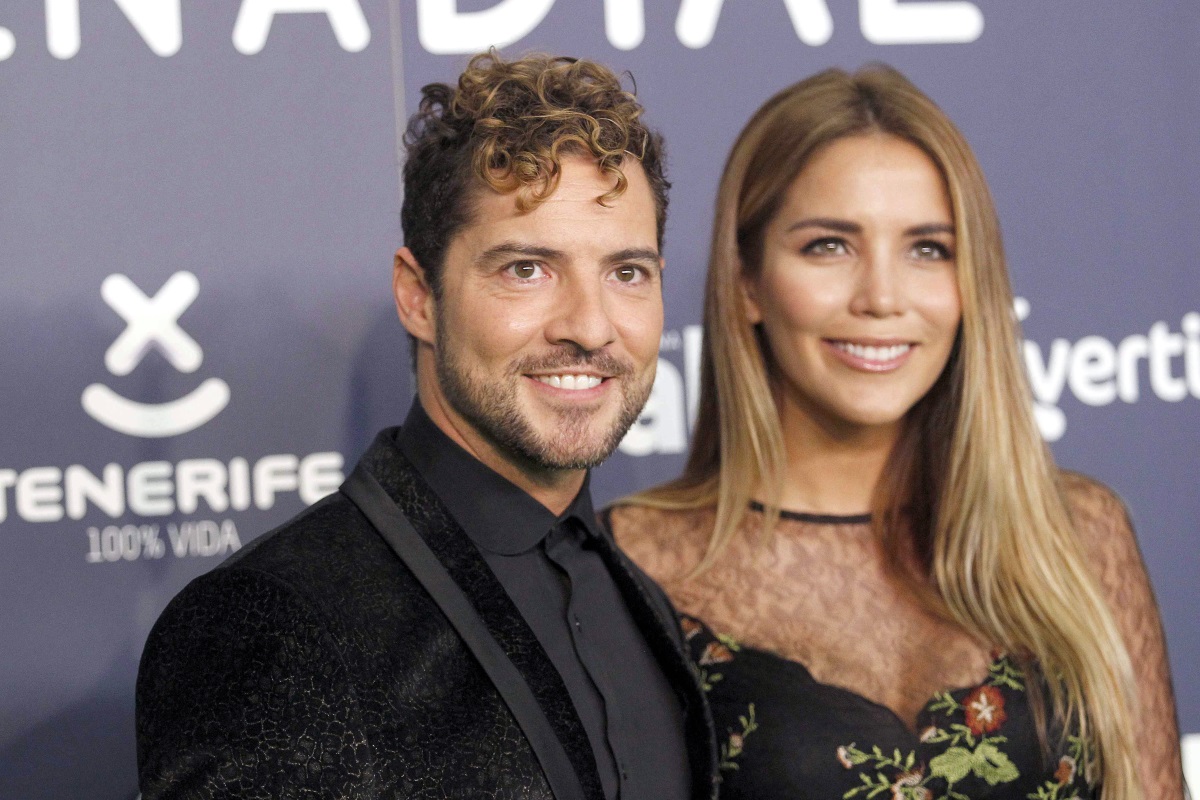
(526, 270)
(932, 251)
(825, 247)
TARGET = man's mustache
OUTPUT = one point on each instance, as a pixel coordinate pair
(573, 360)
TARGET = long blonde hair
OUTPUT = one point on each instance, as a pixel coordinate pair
(970, 475)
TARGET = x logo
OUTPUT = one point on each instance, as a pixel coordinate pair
(152, 322)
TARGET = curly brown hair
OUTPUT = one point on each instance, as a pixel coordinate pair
(507, 126)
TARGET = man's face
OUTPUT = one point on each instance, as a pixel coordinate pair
(548, 323)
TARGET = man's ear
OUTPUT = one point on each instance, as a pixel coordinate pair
(414, 296)
(750, 298)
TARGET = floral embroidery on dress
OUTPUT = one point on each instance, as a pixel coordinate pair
(1062, 785)
(721, 650)
(732, 747)
(715, 652)
(974, 748)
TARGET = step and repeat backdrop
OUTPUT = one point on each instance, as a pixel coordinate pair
(199, 203)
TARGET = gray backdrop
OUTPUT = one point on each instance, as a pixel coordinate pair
(199, 202)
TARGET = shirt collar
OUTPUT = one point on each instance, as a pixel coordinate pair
(495, 513)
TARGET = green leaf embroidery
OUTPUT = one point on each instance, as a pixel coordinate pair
(993, 765)
(952, 765)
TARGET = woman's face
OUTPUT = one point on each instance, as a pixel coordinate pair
(857, 292)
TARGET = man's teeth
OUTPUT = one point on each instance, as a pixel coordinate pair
(868, 353)
(570, 381)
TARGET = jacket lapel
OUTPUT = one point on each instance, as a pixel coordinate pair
(466, 566)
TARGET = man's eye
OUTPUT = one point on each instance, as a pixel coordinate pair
(628, 274)
(526, 270)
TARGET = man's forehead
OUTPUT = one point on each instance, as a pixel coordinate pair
(578, 207)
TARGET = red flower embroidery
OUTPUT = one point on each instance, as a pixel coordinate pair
(1066, 770)
(843, 758)
(690, 627)
(985, 710)
(715, 653)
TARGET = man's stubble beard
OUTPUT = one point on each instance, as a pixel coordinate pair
(494, 410)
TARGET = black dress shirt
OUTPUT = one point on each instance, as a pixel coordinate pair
(551, 568)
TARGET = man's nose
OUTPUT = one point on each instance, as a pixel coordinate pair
(582, 316)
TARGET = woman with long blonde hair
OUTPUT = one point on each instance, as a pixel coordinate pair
(889, 588)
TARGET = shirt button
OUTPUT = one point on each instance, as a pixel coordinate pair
(578, 624)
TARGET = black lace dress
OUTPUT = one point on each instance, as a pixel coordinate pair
(785, 735)
(817, 598)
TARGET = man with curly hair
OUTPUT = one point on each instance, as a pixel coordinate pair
(454, 622)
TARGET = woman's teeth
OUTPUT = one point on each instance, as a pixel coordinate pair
(573, 382)
(869, 353)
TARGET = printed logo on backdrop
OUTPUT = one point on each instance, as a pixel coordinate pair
(160, 509)
(160, 24)
(444, 30)
(153, 323)
(1099, 372)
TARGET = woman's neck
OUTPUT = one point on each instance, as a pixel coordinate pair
(831, 468)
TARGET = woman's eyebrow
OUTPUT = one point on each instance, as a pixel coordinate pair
(929, 229)
(840, 225)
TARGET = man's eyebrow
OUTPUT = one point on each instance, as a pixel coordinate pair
(633, 254)
(505, 249)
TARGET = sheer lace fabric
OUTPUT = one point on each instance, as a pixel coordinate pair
(819, 593)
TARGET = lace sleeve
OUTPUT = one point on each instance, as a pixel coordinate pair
(1108, 537)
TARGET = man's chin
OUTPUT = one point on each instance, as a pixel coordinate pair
(570, 445)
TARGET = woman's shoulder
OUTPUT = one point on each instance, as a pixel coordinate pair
(666, 543)
(1087, 496)
(1106, 535)
(1100, 516)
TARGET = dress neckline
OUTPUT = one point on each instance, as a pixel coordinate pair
(912, 728)
(819, 519)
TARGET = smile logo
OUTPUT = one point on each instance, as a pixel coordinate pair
(153, 322)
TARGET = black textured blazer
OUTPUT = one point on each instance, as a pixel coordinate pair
(314, 664)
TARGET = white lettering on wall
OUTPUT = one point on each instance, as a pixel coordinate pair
(200, 477)
(8, 44)
(274, 474)
(1191, 759)
(82, 487)
(624, 23)
(149, 486)
(159, 488)
(39, 494)
(444, 30)
(697, 21)
(256, 16)
(159, 23)
(895, 22)
(1100, 372)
